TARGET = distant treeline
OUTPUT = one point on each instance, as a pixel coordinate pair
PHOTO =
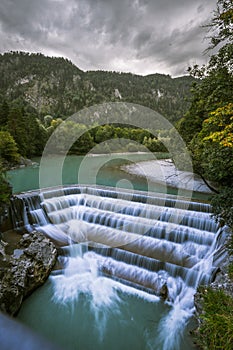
(23, 132)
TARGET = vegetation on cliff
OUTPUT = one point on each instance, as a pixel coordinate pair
(54, 86)
(207, 128)
(5, 193)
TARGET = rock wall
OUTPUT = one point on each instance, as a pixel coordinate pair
(25, 270)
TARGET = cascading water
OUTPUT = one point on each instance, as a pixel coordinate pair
(148, 245)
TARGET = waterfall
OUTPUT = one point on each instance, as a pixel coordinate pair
(149, 244)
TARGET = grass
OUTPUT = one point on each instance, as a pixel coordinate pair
(230, 271)
(216, 329)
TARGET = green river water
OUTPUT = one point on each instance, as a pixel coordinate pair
(105, 167)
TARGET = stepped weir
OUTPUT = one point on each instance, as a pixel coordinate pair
(143, 240)
(157, 247)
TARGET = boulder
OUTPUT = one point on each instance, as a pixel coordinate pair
(25, 270)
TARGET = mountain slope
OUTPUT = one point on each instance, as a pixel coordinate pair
(56, 86)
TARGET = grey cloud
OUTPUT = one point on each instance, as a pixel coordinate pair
(177, 50)
(200, 8)
(142, 36)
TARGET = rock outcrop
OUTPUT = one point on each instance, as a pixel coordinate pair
(25, 270)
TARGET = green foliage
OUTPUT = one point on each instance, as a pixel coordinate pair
(216, 330)
(219, 127)
(85, 141)
(212, 148)
(207, 127)
(215, 85)
(26, 129)
(223, 206)
(230, 271)
(212, 161)
(16, 125)
(8, 148)
(5, 190)
(4, 112)
(221, 24)
(78, 139)
(153, 144)
(47, 120)
(210, 93)
(104, 133)
(70, 136)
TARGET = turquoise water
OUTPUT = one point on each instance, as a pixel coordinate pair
(126, 323)
(105, 166)
(82, 310)
(101, 170)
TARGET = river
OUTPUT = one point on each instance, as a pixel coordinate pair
(106, 167)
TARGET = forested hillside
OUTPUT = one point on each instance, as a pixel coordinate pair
(57, 87)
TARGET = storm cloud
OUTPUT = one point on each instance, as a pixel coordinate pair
(138, 36)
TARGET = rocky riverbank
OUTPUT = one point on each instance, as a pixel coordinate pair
(24, 270)
(222, 282)
(164, 172)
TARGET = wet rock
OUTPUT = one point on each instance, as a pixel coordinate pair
(164, 291)
(2, 249)
(27, 268)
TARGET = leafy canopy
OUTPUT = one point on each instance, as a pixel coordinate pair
(207, 127)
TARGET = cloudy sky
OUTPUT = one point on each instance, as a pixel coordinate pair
(139, 36)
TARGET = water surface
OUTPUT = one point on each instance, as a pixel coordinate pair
(100, 169)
